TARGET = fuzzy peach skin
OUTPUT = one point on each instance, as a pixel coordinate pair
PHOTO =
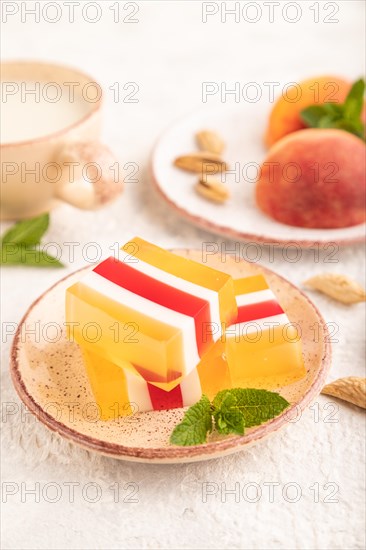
(285, 115)
(314, 178)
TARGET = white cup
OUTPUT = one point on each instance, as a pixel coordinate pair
(50, 148)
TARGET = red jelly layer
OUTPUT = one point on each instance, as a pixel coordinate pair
(261, 310)
(162, 400)
(137, 282)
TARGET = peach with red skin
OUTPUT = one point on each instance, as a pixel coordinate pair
(314, 178)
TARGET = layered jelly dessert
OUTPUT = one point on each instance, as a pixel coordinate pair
(152, 309)
(170, 329)
(262, 348)
(120, 392)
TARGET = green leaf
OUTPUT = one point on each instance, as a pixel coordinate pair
(312, 115)
(334, 109)
(353, 127)
(197, 422)
(27, 232)
(353, 105)
(328, 121)
(21, 254)
(256, 406)
(228, 418)
(346, 116)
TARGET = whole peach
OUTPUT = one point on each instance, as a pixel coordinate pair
(314, 178)
(285, 115)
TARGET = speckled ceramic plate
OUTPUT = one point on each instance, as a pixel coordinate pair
(49, 377)
(242, 128)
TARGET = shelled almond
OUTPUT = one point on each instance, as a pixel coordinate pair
(201, 162)
(351, 389)
(208, 140)
(339, 287)
(207, 163)
(212, 189)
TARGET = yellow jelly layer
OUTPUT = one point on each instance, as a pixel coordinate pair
(188, 270)
(146, 342)
(110, 389)
(250, 284)
(271, 358)
(213, 371)
(109, 386)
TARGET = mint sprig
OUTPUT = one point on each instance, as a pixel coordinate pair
(344, 116)
(255, 406)
(21, 244)
(28, 232)
(228, 418)
(231, 411)
(197, 422)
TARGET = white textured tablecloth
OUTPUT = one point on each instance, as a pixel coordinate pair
(315, 467)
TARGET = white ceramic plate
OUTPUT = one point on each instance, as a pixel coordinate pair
(49, 377)
(242, 128)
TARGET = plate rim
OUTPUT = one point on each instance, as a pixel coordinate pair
(171, 454)
(226, 231)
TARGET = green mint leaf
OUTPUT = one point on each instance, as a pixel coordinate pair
(21, 254)
(27, 232)
(353, 105)
(312, 115)
(255, 406)
(328, 121)
(228, 417)
(346, 116)
(354, 127)
(334, 109)
(196, 423)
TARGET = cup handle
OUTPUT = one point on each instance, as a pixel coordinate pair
(91, 180)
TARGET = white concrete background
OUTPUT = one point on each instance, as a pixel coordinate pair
(169, 53)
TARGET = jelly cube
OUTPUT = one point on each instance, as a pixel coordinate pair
(212, 285)
(119, 392)
(262, 348)
(151, 309)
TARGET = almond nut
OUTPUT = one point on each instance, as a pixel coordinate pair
(351, 389)
(339, 287)
(212, 189)
(208, 140)
(203, 162)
